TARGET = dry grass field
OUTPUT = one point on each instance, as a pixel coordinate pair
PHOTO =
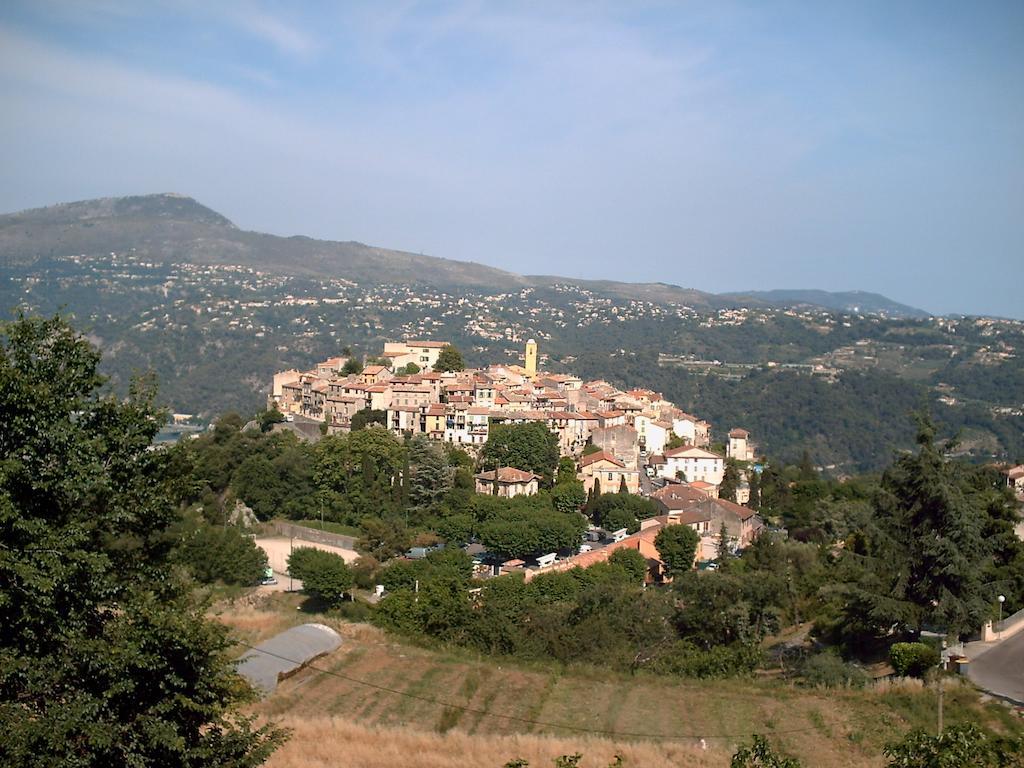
(379, 702)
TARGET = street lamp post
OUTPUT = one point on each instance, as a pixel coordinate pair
(291, 544)
(1001, 599)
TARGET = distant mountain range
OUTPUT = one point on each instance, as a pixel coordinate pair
(176, 228)
(863, 302)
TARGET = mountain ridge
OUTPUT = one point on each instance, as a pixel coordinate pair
(844, 301)
(176, 227)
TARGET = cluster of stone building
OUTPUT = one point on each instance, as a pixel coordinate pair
(633, 429)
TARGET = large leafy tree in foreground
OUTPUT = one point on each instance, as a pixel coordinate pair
(105, 659)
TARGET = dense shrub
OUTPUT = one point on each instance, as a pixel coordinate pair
(912, 659)
(324, 575)
(689, 660)
(222, 553)
(830, 671)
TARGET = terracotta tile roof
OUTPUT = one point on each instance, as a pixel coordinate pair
(744, 513)
(679, 496)
(344, 399)
(427, 344)
(593, 458)
(507, 475)
(692, 515)
(373, 370)
(690, 452)
(741, 434)
(700, 485)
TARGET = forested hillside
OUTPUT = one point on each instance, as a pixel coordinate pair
(164, 285)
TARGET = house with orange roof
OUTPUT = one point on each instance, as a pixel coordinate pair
(709, 488)
(739, 447)
(331, 367)
(1015, 479)
(610, 472)
(642, 541)
(620, 441)
(692, 463)
(675, 497)
(433, 421)
(374, 374)
(507, 482)
(423, 353)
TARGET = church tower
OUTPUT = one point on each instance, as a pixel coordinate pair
(531, 359)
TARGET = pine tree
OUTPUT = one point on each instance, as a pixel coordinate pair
(754, 483)
(724, 552)
(730, 481)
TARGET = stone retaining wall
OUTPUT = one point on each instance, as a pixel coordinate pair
(290, 530)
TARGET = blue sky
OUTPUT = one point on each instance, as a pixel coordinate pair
(722, 145)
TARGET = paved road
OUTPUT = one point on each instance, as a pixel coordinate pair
(1001, 669)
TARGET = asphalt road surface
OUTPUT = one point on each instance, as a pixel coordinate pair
(1001, 669)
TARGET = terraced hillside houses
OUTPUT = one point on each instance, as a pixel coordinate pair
(635, 440)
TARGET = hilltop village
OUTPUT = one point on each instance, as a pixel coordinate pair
(634, 442)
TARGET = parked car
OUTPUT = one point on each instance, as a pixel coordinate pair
(268, 582)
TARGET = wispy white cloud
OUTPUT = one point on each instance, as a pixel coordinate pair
(286, 37)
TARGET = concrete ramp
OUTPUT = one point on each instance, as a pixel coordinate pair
(285, 654)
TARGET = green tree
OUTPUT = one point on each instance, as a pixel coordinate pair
(411, 369)
(449, 359)
(730, 481)
(456, 529)
(754, 482)
(566, 471)
(959, 746)
(364, 417)
(760, 754)
(568, 497)
(352, 367)
(105, 657)
(268, 418)
(724, 552)
(430, 477)
(613, 517)
(913, 659)
(383, 539)
(222, 553)
(936, 553)
(631, 561)
(530, 447)
(677, 546)
(324, 574)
